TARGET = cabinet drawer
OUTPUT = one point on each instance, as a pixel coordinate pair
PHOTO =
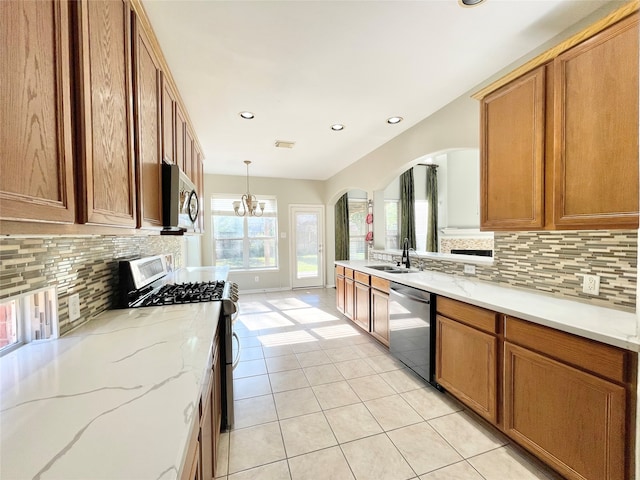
(380, 284)
(362, 277)
(471, 315)
(604, 360)
(339, 270)
(348, 272)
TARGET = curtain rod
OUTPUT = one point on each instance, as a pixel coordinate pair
(427, 165)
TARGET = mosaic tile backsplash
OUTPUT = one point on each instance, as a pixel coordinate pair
(87, 265)
(552, 263)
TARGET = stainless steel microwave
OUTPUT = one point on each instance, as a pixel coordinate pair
(179, 201)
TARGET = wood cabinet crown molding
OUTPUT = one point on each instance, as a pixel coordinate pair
(548, 55)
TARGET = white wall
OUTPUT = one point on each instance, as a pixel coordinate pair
(287, 192)
(463, 189)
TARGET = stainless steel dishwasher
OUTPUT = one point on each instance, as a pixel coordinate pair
(411, 336)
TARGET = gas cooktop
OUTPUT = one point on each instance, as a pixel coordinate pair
(178, 293)
(149, 281)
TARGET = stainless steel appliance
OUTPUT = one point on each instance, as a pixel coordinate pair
(150, 282)
(180, 204)
(411, 336)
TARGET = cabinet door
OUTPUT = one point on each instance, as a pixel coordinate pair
(570, 419)
(512, 155)
(348, 297)
(168, 122)
(340, 293)
(596, 130)
(107, 188)
(149, 135)
(206, 433)
(361, 305)
(188, 152)
(466, 365)
(35, 107)
(217, 402)
(180, 132)
(380, 315)
(199, 184)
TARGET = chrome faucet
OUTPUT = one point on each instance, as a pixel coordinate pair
(405, 253)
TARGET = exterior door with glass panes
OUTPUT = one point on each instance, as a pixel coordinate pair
(307, 262)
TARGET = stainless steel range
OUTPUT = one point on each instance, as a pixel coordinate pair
(150, 282)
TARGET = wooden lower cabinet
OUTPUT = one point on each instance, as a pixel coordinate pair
(216, 395)
(362, 299)
(466, 365)
(191, 467)
(206, 433)
(202, 451)
(348, 297)
(380, 309)
(572, 420)
(340, 288)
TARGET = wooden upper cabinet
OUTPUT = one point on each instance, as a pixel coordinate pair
(36, 183)
(596, 134)
(200, 190)
(559, 145)
(147, 93)
(106, 159)
(169, 124)
(512, 154)
(188, 152)
(180, 128)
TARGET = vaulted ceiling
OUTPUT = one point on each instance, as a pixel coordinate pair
(302, 66)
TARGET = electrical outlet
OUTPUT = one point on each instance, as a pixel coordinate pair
(591, 284)
(470, 269)
(74, 307)
(256, 278)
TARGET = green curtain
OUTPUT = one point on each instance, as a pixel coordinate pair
(342, 228)
(407, 209)
(432, 208)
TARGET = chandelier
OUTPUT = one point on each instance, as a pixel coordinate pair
(249, 202)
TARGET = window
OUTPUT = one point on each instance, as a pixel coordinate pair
(8, 324)
(244, 243)
(27, 318)
(357, 228)
(421, 224)
(392, 225)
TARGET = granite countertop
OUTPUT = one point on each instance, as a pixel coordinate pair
(115, 398)
(613, 327)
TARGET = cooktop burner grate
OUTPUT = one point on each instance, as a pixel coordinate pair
(172, 294)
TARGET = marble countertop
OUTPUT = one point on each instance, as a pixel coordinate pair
(115, 398)
(613, 327)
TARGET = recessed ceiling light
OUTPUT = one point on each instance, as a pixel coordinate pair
(394, 120)
(246, 115)
(469, 3)
(337, 127)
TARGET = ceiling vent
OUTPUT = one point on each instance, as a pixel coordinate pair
(284, 144)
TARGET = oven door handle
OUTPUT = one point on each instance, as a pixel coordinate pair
(234, 315)
(237, 359)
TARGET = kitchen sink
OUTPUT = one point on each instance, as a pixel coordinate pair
(388, 268)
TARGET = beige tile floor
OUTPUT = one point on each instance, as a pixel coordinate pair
(316, 398)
